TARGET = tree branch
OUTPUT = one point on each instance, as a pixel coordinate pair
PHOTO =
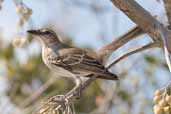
(144, 20)
(167, 4)
(140, 16)
(148, 46)
(107, 50)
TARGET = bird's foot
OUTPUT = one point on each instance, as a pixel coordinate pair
(77, 90)
(78, 87)
(78, 93)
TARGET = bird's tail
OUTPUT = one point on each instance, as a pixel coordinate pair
(107, 75)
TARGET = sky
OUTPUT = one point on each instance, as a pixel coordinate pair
(74, 19)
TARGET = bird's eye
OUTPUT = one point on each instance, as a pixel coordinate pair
(47, 32)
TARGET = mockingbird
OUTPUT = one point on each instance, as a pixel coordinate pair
(70, 61)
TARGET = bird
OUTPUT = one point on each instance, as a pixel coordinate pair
(69, 61)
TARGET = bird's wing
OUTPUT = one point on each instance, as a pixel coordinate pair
(75, 59)
(78, 61)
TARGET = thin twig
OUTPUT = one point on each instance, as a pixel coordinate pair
(148, 46)
(166, 51)
(167, 56)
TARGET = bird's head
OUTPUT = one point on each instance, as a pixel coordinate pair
(46, 35)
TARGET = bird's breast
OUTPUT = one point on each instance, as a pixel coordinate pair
(46, 54)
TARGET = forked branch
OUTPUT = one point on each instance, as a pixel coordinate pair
(108, 49)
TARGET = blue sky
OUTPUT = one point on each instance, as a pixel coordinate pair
(71, 20)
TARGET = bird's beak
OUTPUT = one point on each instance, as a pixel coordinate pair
(34, 32)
